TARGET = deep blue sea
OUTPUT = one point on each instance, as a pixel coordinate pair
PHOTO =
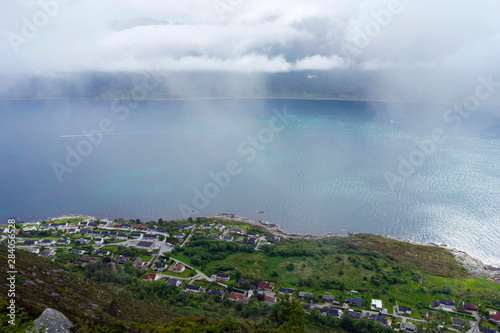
(410, 170)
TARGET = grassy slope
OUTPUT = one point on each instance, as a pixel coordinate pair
(437, 266)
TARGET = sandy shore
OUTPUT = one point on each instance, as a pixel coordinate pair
(472, 264)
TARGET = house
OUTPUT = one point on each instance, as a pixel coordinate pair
(470, 306)
(252, 234)
(63, 241)
(286, 290)
(220, 227)
(408, 327)
(444, 303)
(218, 292)
(331, 312)
(107, 260)
(381, 319)
(193, 288)
(158, 266)
(495, 316)
(136, 235)
(264, 285)
(77, 251)
(122, 235)
(73, 230)
(236, 230)
(126, 226)
(85, 231)
(457, 321)
(487, 330)
(376, 304)
(87, 259)
(262, 297)
(228, 238)
(35, 250)
(353, 314)
(160, 229)
(174, 282)
(121, 260)
(150, 246)
(206, 227)
(179, 235)
(239, 240)
(82, 241)
(327, 298)
(104, 233)
(357, 301)
(98, 240)
(222, 277)
(177, 268)
(151, 276)
(234, 296)
(251, 241)
(47, 242)
(403, 309)
(274, 237)
(185, 227)
(30, 242)
(303, 294)
(215, 236)
(150, 237)
(102, 253)
(152, 228)
(138, 263)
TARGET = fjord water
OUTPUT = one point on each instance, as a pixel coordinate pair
(335, 166)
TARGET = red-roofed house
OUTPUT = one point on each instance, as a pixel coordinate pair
(470, 306)
(236, 296)
(495, 316)
(151, 276)
(179, 268)
(264, 285)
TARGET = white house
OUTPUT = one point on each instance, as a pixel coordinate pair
(376, 304)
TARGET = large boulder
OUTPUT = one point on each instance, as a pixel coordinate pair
(52, 321)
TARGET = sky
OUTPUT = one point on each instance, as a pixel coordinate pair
(250, 36)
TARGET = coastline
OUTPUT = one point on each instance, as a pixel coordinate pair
(473, 265)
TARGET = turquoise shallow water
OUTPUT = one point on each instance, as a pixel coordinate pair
(332, 167)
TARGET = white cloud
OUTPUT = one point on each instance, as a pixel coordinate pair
(258, 35)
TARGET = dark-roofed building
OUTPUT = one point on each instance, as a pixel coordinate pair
(174, 282)
(403, 309)
(87, 259)
(150, 246)
(218, 292)
(228, 238)
(30, 242)
(193, 288)
(222, 277)
(77, 251)
(158, 266)
(487, 330)
(121, 260)
(457, 321)
(331, 312)
(408, 327)
(286, 290)
(443, 303)
(150, 237)
(356, 301)
(353, 314)
(303, 294)
(327, 298)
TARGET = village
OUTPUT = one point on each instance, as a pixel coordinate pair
(81, 242)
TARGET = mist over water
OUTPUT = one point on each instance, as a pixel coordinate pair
(325, 171)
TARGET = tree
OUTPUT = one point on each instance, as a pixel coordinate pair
(446, 290)
(290, 266)
(289, 315)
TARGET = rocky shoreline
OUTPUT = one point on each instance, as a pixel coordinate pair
(473, 265)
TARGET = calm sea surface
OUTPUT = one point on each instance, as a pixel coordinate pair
(408, 170)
